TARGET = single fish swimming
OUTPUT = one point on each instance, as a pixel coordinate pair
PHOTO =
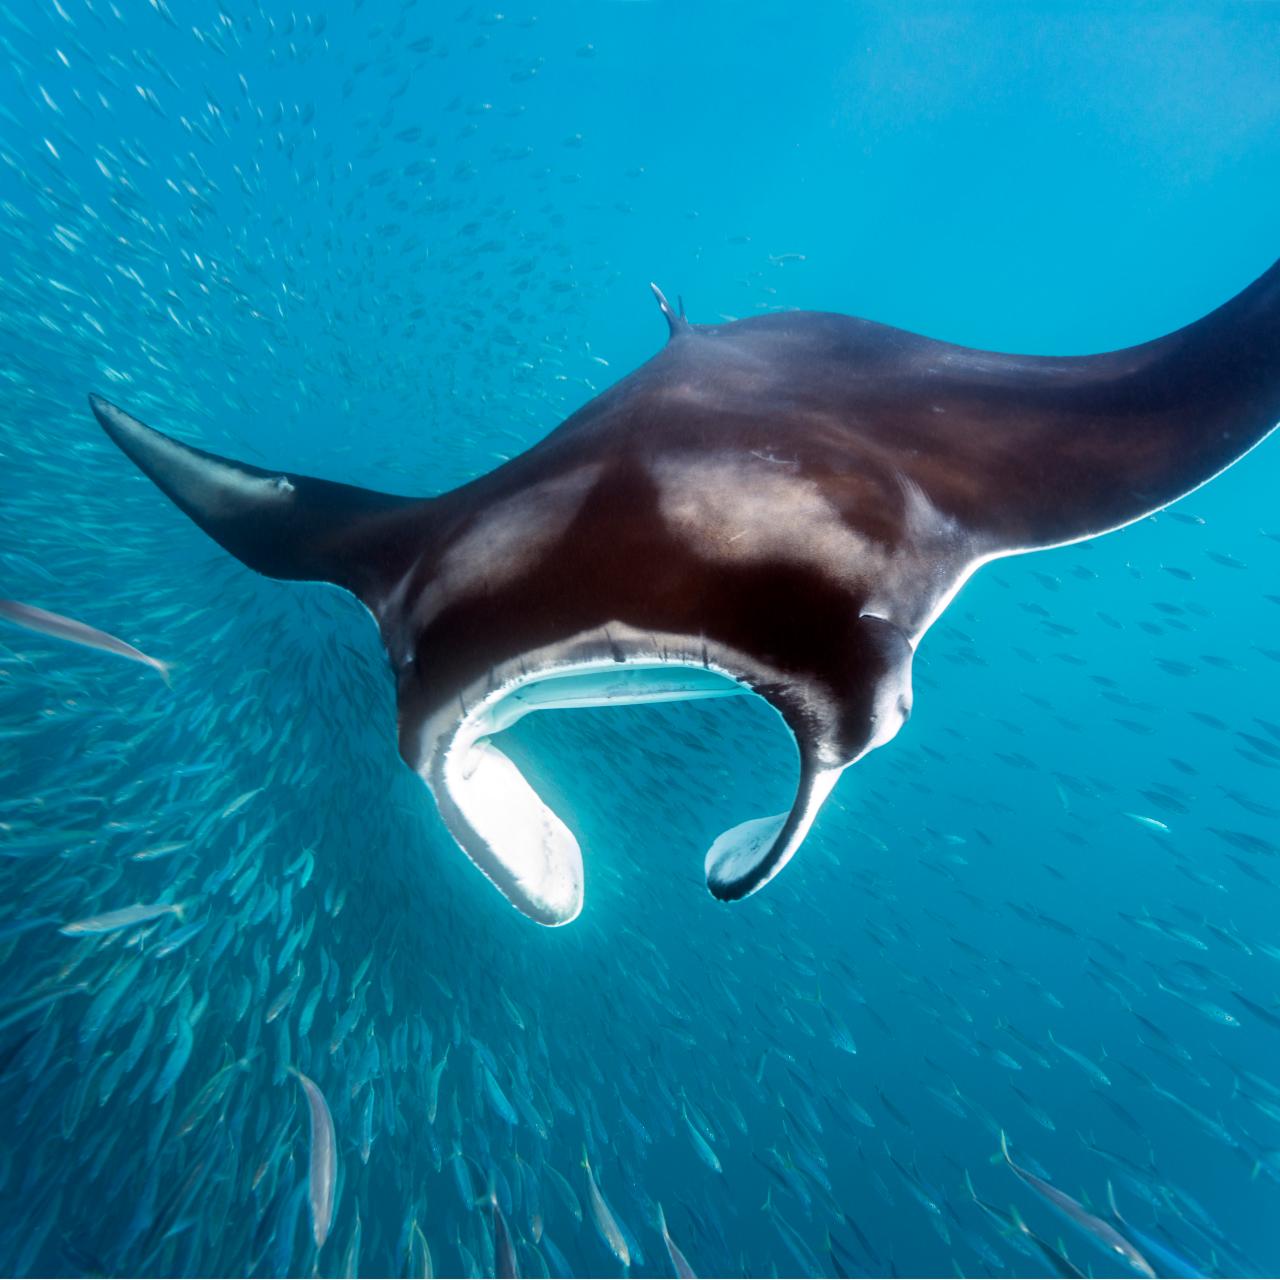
(783, 504)
(678, 1260)
(1101, 1232)
(124, 918)
(45, 623)
(322, 1176)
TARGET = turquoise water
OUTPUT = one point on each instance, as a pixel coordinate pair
(395, 245)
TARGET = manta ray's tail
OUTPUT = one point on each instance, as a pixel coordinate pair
(281, 524)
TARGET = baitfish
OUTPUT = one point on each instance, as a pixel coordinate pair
(59, 627)
(1102, 1232)
(678, 1260)
(111, 921)
(324, 1159)
(604, 1220)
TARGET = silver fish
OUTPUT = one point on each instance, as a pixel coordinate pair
(54, 624)
(110, 921)
(605, 1221)
(678, 1260)
(324, 1159)
(1105, 1234)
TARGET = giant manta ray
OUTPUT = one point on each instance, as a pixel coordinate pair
(784, 503)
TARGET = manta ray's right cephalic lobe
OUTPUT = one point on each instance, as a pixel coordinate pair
(783, 504)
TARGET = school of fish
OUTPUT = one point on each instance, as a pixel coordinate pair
(256, 1019)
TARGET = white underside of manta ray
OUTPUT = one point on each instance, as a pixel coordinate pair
(782, 505)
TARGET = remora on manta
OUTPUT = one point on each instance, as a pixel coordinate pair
(785, 503)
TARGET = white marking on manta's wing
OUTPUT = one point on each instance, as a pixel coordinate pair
(510, 536)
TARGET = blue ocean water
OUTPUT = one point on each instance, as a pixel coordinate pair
(394, 245)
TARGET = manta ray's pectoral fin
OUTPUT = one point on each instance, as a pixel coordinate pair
(1037, 452)
(283, 525)
(748, 856)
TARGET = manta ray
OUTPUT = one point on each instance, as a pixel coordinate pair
(782, 504)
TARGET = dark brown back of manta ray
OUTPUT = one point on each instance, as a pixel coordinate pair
(1022, 451)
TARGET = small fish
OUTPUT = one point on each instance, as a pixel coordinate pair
(240, 801)
(124, 918)
(1151, 824)
(706, 1152)
(1174, 1264)
(159, 850)
(504, 1249)
(420, 1254)
(1105, 1234)
(1091, 1067)
(45, 623)
(324, 1159)
(678, 1260)
(604, 1220)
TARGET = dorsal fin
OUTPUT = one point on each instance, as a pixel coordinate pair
(282, 525)
(676, 322)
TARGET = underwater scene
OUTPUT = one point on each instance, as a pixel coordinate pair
(295, 774)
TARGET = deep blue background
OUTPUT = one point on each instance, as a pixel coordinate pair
(318, 242)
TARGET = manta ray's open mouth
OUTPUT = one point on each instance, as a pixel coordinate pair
(527, 850)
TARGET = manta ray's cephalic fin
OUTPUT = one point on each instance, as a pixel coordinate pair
(285, 526)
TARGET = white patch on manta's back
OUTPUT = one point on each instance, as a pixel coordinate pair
(508, 539)
(745, 511)
(750, 510)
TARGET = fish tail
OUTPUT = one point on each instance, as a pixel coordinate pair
(1111, 1201)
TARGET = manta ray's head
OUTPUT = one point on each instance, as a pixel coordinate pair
(492, 610)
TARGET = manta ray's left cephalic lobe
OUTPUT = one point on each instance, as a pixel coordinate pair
(783, 504)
